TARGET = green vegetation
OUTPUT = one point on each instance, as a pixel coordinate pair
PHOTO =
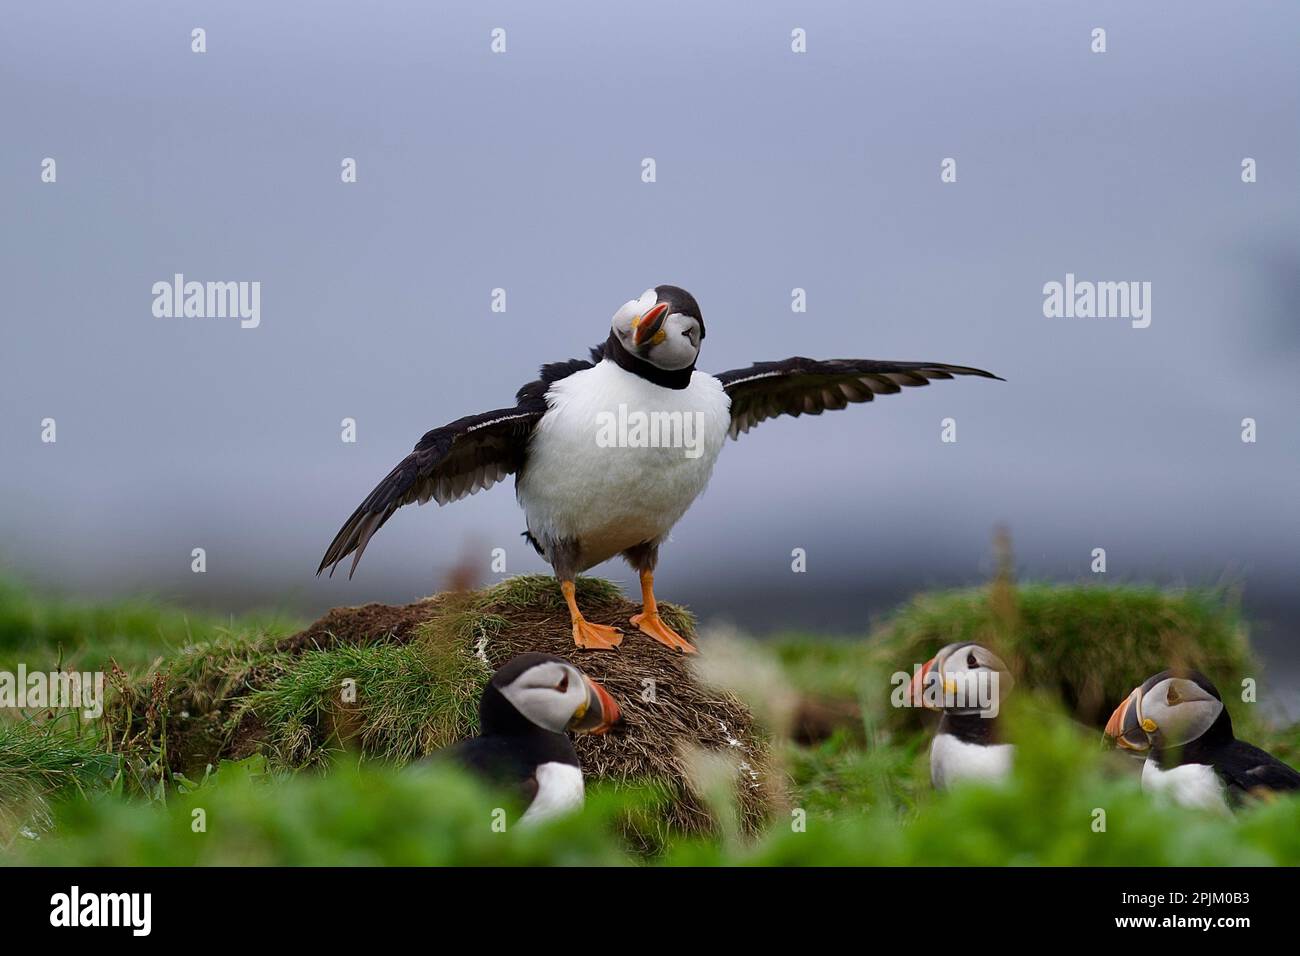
(398, 683)
(1086, 646)
(47, 633)
(421, 697)
(40, 760)
(243, 721)
(432, 815)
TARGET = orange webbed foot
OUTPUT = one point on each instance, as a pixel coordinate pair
(653, 625)
(596, 637)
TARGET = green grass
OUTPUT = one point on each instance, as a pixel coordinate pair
(47, 632)
(1087, 645)
(40, 759)
(71, 794)
(540, 592)
(844, 775)
(1090, 645)
(368, 814)
(400, 701)
(395, 683)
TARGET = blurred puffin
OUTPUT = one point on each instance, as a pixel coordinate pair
(1177, 718)
(968, 683)
(586, 499)
(525, 715)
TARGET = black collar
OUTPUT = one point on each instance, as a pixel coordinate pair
(669, 378)
(970, 728)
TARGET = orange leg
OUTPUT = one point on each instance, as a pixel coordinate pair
(596, 637)
(649, 621)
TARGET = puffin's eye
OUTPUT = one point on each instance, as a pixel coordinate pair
(563, 685)
(1172, 697)
(971, 662)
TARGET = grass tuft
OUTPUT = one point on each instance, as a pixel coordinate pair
(397, 701)
(41, 759)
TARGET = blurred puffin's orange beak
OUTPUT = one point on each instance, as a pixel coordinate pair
(1124, 728)
(918, 685)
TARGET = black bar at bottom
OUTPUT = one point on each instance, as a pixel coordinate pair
(369, 905)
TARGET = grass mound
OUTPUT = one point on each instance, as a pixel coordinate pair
(1087, 646)
(398, 683)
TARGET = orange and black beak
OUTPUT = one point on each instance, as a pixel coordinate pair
(598, 713)
(647, 328)
(918, 685)
(1124, 728)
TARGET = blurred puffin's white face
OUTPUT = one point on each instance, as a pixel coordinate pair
(650, 330)
(549, 694)
(1175, 711)
(970, 671)
(966, 659)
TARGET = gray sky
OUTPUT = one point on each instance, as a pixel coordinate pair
(774, 170)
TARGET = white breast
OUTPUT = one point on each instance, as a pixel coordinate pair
(952, 760)
(559, 791)
(578, 487)
(1191, 785)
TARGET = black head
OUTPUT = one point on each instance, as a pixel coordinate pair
(658, 335)
(680, 302)
(1169, 709)
(963, 679)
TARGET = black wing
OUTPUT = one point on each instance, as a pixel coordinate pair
(1249, 768)
(803, 386)
(449, 463)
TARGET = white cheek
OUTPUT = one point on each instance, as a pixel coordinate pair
(623, 318)
(677, 350)
(1185, 723)
(546, 708)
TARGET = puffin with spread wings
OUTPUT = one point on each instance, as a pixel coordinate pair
(609, 453)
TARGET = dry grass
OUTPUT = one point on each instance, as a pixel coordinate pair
(418, 670)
